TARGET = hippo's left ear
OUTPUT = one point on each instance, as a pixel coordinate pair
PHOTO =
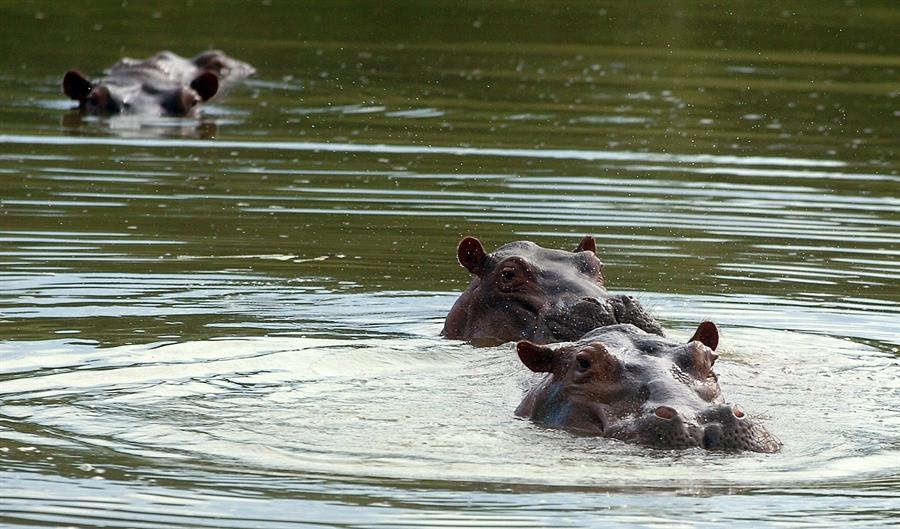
(587, 245)
(206, 85)
(708, 334)
(538, 358)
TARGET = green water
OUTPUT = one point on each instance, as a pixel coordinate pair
(232, 321)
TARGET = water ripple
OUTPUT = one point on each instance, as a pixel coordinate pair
(557, 154)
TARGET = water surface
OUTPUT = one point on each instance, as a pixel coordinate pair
(233, 321)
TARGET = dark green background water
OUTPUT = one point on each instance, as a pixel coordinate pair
(232, 321)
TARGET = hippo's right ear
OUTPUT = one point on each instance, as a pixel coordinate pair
(471, 255)
(707, 333)
(587, 245)
(76, 85)
(538, 358)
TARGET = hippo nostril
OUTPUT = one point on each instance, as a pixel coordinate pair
(584, 360)
(738, 412)
(665, 412)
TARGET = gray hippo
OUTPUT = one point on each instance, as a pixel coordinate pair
(623, 383)
(165, 84)
(524, 291)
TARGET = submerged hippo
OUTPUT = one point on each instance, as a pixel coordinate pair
(624, 383)
(165, 84)
(523, 291)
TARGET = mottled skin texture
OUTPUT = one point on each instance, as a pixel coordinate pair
(524, 291)
(621, 382)
(163, 85)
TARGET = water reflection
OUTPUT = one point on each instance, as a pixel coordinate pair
(74, 123)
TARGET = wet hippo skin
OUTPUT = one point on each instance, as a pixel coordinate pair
(165, 84)
(621, 382)
(523, 291)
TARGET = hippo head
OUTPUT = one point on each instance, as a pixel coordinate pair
(139, 92)
(524, 291)
(621, 382)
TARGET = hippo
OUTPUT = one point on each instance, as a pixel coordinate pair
(623, 383)
(524, 291)
(165, 84)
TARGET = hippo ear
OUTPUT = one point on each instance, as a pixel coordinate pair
(587, 245)
(471, 255)
(538, 358)
(206, 85)
(708, 334)
(210, 60)
(76, 85)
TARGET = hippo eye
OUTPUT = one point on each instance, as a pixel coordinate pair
(511, 275)
(584, 362)
(101, 99)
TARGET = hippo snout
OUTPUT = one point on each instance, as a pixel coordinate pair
(588, 313)
(665, 428)
(727, 427)
(570, 321)
(723, 427)
(627, 309)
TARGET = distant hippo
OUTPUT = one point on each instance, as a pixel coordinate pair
(165, 84)
(621, 382)
(523, 291)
